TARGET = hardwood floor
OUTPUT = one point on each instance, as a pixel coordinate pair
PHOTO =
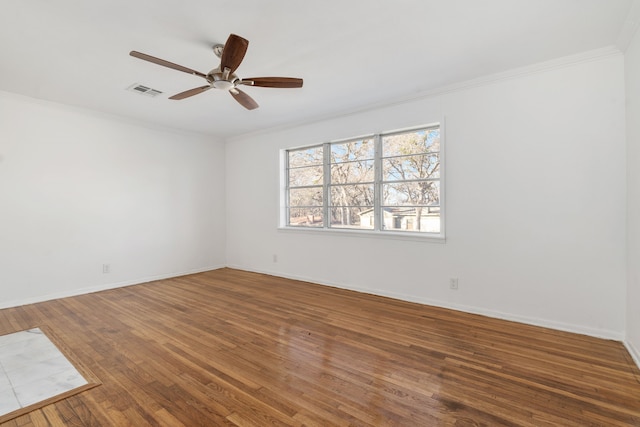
(227, 348)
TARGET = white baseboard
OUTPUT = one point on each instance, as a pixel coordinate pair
(635, 354)
(598, 333)
(566, 327)
(103, 287)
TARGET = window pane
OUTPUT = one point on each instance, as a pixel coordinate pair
(418, 166)
(420, 193)
(362, 149)
(310, 175)
(305, 157)
(352, 217)
(352, 172)
(416, 218)
(305, 217)
(299, 197)
(414, 142)
(351, 195)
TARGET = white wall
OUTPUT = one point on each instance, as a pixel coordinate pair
(78, 190)
(536, 191)
(632, 74)
(535, 203)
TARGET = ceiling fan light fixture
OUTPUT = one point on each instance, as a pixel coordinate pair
(222, 84)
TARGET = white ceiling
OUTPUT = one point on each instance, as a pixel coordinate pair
(350, 53)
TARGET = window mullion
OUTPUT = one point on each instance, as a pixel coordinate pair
(287, 208)
(326, 179)
(378, 217)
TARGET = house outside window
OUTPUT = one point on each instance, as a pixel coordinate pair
(383, 183)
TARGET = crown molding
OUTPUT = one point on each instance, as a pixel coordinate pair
(630, 27)
(558, 63)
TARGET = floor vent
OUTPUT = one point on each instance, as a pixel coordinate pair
(143, 90)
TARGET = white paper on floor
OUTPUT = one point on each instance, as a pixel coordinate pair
(32, 369)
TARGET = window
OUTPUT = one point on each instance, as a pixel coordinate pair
(382, 183)
(411, 181)
(305, 188)
(351, 183)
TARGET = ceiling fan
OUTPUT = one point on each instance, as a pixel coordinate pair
(223, 77)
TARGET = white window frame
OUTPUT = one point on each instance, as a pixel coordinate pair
(378, 231)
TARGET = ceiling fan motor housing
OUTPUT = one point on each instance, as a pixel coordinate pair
(217, 80)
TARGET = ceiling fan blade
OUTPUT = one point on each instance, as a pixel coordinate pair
(280, 82)
(190, 92)
(233, 52)
(166, 63)
(245, 100)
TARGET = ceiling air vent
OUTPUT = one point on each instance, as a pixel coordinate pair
(143, 90)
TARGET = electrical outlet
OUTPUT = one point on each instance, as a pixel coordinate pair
(275, 258)
(106, 268)
(453, 283)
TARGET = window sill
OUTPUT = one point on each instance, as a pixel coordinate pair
(416, 237)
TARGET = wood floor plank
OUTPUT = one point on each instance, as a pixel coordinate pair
(233, 348)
